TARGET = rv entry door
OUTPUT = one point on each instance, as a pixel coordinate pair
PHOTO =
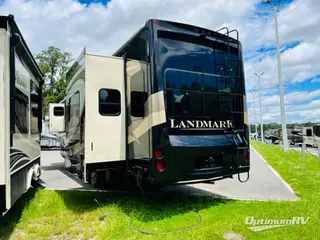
(104, 109)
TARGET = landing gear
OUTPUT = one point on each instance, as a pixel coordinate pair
(106, 179)
(95, 178)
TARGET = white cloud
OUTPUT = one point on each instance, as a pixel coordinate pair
(102, 29)
(309, 111)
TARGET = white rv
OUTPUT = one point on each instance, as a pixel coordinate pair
(20, 115)
(168, 107)
(48, 140)
(311, 136)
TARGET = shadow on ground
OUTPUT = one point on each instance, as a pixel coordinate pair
(151, 207)
(12, 217)
(154, 206)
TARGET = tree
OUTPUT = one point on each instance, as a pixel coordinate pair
(54, 64)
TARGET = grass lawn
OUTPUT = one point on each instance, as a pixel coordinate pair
(45, 214)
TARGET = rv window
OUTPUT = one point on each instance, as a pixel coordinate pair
(109, 102)
(58, 111)
(309, 133)
(138, 100)
(35, 111)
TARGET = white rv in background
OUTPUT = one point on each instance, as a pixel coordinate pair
(311, 136)
(48, 140)
(20, 115)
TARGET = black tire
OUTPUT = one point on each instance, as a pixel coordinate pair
(97, 178)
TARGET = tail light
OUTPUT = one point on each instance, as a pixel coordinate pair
(158, 154)
(160, 166)
(246, 158)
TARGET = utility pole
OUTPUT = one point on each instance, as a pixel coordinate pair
(282, 107)
(255, 115)
(261, 123)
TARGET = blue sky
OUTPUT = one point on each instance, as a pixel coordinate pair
(103, 26)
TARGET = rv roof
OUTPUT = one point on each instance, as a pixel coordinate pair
(188, 26)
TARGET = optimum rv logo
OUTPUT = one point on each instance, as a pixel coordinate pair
(205, 124)
(263, 224)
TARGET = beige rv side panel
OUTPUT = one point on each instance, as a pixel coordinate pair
(4, 110)
(104, 135)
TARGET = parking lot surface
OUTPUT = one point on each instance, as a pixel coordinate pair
(264, 182)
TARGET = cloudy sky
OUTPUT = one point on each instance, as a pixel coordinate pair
(102, 26)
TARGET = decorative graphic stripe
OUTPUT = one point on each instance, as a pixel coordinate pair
(20, 163)
(155, 115)
(17, 159)
(12, 150)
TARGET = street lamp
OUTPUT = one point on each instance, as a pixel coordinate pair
(254, 111)
(255, 116)
(262, 138)
(283, 113)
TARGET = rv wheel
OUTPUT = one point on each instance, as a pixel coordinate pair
(96, 178)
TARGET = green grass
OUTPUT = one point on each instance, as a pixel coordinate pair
(45, 214)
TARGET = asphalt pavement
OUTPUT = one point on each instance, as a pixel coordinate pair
(309, 150)
(264, 182)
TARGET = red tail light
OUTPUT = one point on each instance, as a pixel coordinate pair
(160, 166)
(158, 154)
(246, 158)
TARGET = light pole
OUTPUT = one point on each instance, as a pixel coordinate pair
(283, 113)
(255, 115)
(254, 112)
(261, 123)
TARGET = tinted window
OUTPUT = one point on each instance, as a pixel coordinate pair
(35, 111)
(75, 105)
(136, 48)
(194, 54)
(138, 100)
(72, 112)
(22, 91)
(309, 133)
(198, 96)
(186, 103)
(109, 102)
(225, 104)
(58, 111)
(316, 130)
(21, 112)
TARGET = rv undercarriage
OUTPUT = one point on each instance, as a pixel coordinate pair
(181, 167)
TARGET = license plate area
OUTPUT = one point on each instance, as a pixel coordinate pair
(207, 162)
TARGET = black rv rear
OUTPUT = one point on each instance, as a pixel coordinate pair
(200, 72)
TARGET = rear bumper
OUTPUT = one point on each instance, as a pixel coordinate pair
(185, 165)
